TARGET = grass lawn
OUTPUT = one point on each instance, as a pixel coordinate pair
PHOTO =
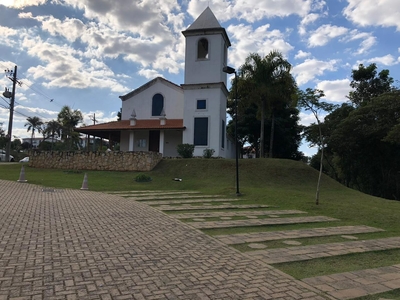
(283, 184)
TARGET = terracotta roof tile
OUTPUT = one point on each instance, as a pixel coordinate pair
(140, 125)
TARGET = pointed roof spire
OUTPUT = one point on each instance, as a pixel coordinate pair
(206, 20)
(206, 23)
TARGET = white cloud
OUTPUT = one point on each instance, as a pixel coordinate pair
(368, 40)
(335, 90)
(375, 13)
(387, 60)
(254, 10)
(324, 34)
(149, 74)
(246, 40)
(312, 68)
(301, 54)
(21, 3)
(310, 18)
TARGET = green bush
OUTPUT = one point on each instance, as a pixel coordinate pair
(185, 150)
(208, 153)
(142, 178)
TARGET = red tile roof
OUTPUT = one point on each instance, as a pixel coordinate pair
(148, 124)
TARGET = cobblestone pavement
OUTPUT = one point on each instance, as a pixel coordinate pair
(260, 222)
(358, 283)
(241, 213)
(72, 244)
(293, 234)
(324, 250)
(189, 201)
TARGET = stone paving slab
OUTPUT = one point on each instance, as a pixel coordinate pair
(324, 250)
(208, 207)
(349, 285)
(255, 237)
(189, 201)
(241, 213)
(260, 222)
(74, 244)
(161, 197)
(150, 192)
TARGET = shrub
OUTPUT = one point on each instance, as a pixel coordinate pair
(185, 150)
(208, 153)
(142, 178)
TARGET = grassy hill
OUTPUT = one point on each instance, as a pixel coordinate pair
(284, 183)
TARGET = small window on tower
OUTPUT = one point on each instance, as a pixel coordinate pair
(201, 104)
(202, 49)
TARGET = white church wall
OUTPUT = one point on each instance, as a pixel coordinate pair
(142, 102)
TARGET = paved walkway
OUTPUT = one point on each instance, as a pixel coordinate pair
(254, 237)
(358, 283)
(260, 222)
(324, 250)
(241, 213)
(72, 244)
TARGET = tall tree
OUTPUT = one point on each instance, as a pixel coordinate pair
(310, 101)
(53, 129)
(69, 119)
(261, 83)
(367, 84)
(33, 124)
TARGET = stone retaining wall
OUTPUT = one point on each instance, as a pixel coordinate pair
(80, 160)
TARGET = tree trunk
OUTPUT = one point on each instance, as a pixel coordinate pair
(262, 129)
(320, 164)
(271, 138)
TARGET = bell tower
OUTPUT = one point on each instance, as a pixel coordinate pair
(205, 91)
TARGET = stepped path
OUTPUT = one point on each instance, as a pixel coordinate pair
(358, 283)
(280, 255)
(336, 286)
(260, 222)
(293, 234)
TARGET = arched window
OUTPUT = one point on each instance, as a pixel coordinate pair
(157, 105)
(202, 49)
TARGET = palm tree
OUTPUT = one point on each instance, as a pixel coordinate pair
(262, 81)
(34, 123)
(69, 119)
(53, 128)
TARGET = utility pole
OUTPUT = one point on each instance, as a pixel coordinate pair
(94, 138)
(10, 121)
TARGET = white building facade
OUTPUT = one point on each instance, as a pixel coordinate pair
(160, 114)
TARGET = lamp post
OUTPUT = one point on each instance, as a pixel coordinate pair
(230, 70)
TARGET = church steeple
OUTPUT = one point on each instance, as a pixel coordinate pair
(206, 20)
(206, 50)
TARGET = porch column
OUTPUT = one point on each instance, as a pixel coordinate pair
(161, 142)
(131, 140)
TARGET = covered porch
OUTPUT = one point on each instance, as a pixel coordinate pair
(140, 135)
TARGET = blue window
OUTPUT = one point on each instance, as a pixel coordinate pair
(201, 104)
(157, 105)
(200, 131)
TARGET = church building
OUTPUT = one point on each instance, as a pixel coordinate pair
(160, 114)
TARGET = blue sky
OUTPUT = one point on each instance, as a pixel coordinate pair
(86, 53)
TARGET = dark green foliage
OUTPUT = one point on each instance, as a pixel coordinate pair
(185, 150)
(367, 84)
(208, 153)
(142, 178)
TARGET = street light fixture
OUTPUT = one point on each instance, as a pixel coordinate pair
(230, 70)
